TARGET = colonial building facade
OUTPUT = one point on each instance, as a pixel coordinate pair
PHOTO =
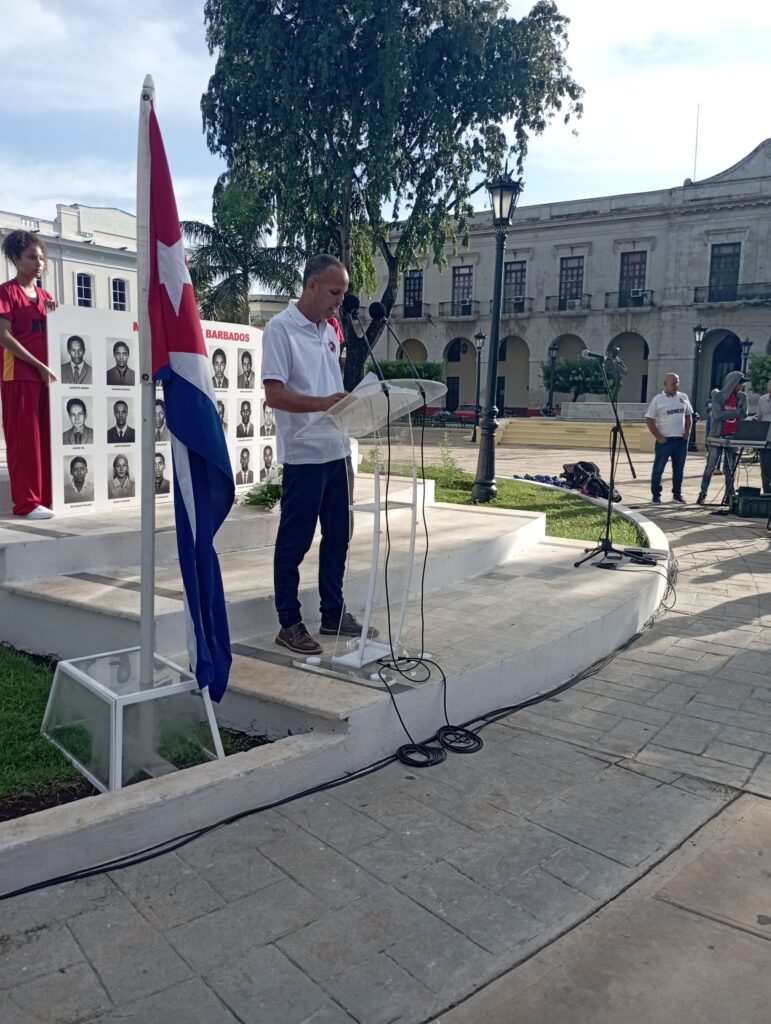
(632, 271)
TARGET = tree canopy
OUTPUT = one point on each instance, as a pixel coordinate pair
(580, 377)
(232, 253)
(759, 372)
(372, 113)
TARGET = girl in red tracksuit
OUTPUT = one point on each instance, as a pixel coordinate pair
(25, 376)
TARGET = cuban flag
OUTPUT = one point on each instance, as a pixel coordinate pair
(203, 478)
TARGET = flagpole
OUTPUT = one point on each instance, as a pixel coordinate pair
(147, 578)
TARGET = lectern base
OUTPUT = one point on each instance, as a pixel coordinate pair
(373, 651)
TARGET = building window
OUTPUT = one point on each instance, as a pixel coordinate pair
(84, 290)
(413, 293)
(514, 281)
(724, 272)
(571, 282)
(462, 290)
(631, 282)
(502, 351)
(500, 394)
(119, 294)
(453, 352)
(453, 394)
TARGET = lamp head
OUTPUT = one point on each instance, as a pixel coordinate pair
(504, 194)
(479, 340)
(553, 350)
(698, 333)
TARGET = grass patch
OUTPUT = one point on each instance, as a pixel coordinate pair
(33, 774)
(567, 515)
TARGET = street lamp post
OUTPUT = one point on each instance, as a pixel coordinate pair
(746, 347)
(698, 340)
(479, 341)
(553, 353)
(504, 194)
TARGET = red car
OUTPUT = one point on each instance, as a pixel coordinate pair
(467, 413)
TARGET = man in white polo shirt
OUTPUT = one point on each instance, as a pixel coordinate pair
(302, 379)
(669, 420)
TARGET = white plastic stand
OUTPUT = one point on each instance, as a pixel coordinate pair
(370, 407)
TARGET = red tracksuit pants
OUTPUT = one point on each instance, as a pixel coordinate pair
(28, 443)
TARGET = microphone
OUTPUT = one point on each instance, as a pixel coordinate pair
(378, 312)
(586, 354)
(351, 307)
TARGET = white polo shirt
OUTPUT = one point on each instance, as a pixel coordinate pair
(669, 412)
(305, 358)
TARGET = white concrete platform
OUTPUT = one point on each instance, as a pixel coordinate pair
(506, 617)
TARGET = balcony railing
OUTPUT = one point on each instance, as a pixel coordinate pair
(557, 304)
(758, 292)
(635, 298)
(460, 309)
(413, 311)
(518, 305)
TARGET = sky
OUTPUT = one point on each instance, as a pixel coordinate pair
(73, 74)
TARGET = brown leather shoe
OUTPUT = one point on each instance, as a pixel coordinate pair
(298, 639)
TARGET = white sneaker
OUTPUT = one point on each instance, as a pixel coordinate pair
(40, 512)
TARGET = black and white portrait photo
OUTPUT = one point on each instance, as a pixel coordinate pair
(245, 428)
(268, 469)
(75, 367)
(221, 411)
(247, 377)
(119, 480)
(119, 414)
(219, 364)
(162, 483)
(120, 373)
(161, 429)
(267, 428)
(245, 475)
(78, 487)
(76, 414)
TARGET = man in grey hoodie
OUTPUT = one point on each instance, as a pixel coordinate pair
(729, 406)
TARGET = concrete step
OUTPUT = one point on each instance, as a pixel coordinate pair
(83, 612)
(537, 432)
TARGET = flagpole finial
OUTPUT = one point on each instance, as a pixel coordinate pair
(148, 88)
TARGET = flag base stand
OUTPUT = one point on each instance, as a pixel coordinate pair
(117, 729)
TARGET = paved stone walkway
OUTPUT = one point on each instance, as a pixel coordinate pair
(392, 898)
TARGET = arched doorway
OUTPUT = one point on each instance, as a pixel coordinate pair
(570, 346)
(513, 375)
(726, 356)
(415, 349)
(634, 352)
(460, 372)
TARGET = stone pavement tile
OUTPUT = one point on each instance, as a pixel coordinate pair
(333, 821)
(192, 1002)
(473, 812)
(399, 812)
(674, 697)
(603, 834)
(361, 792)
(746, 738)
(320, 869)
(228, 933)
(694, 764)
(498, 856)
(648, 770)
(702, 645)
(130, 957)
(599, 686)
(747, 661)
(343, 938)
(442, 959)
(581, 715)
(57, 904)
(645, 963)
(636, 674)
(228, 860)
(726, 693)
(760, 780)
(732, 754)
(587, 871)
(417, 846)
(39, 951)
(741, 860)
(729, 716)
(264, 987)
(488, 919)
(69, 996)
(689, 734)
(547, 898)
(560, 730)
(626, 709)
(556, 754)
(379, 991)
(628, 737)
(251, 831)
(168, 892)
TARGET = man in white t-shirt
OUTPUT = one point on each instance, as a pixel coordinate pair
(763, 413)
(302, 379)
(669, 419)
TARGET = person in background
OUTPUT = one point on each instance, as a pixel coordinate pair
(763, 414)
(25, 376)
(669, 420)
(729, 406)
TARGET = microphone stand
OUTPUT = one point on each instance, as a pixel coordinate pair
(416, 376)
(611, 555)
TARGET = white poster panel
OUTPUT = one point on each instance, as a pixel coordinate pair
(96, 408)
